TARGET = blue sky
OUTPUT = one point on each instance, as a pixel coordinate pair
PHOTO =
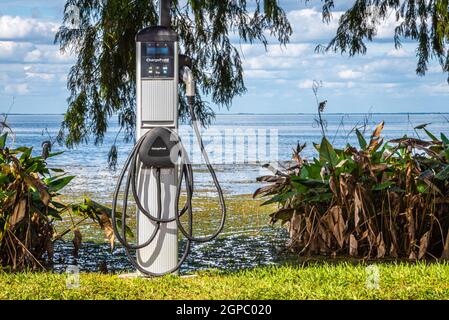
(34, 73)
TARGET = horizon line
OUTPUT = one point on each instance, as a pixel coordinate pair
(254, 113)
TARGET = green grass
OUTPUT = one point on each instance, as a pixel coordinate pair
(317, 281)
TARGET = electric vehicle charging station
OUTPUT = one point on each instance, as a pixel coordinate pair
(158, 164)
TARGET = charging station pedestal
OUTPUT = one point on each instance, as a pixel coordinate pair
(157, 75)
(158, 164)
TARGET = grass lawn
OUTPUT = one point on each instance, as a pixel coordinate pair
(317, 281)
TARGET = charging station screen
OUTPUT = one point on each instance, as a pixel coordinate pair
(157, 60)
(155, 51)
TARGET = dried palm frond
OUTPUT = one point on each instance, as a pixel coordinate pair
(378, 200)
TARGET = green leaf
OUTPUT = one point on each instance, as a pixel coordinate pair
(58, 205)
(32, 168)
(50, 155)
(397, 189)
(383, 186)
(328, 153)
(311, 171)
(430, 134)
(299, 187)
(362, 141)
(52, 212)
(3, 179)
(283, 215)
(304, 172)
(443, 174)
(446, 153)
(18, 150)
(422, 187)
(279, 198)
(321, 197)
(26, 154)
(55, 154)
(311, 183)
(444, 139)
(3, 140)
(58, 184)
(342, 163)
(422, 126)
(128, 230)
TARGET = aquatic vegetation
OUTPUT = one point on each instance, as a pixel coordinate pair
(381, 199)
(30, 206)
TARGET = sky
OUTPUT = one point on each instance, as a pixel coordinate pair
(33, 72)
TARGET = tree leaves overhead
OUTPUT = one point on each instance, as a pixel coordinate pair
(102, 81)
(423, 21)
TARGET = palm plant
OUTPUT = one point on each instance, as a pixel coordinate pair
(377, 200)
(30, 207)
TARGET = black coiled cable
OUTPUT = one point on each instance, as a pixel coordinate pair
(185, 174)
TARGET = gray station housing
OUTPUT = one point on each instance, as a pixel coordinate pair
(157, 81)
(157, 78)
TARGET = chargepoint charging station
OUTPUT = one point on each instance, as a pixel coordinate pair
(158, 165)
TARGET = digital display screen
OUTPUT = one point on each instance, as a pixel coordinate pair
(157, 51)
(158, 60)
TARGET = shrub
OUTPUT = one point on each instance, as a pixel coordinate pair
(377, 200)
(29, 208)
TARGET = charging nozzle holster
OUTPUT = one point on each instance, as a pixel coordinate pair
(160, 149)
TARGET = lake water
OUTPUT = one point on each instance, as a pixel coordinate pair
(89, 162)
(236, 249)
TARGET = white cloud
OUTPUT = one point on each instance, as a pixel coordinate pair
(14, 51)
(40, 75)
(441, 88)
(29, 64)
(33, 56)
(338, 85)
(305, 84)
(48, 54)
(386, 28)
(20, 89)
(266, 62)
(11, 51)
(261, 74)
(389, 66)
(309, 26)
(290, 50)
(27, 29)
(349, 74)
(399, 53)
